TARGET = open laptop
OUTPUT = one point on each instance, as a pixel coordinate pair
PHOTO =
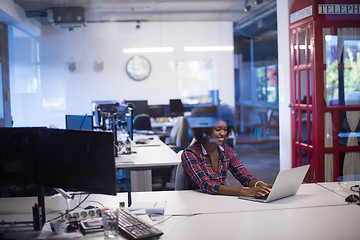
(286, 184)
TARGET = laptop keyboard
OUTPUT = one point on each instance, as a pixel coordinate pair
(134, 227)
(262, 197)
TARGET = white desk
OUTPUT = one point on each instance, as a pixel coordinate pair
(313, 223)
(314, 213)
(341, 188)
(154, 154)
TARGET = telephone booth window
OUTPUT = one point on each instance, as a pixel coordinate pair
(302, 47)
(325, 88)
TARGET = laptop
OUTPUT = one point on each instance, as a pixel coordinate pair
(287, 183)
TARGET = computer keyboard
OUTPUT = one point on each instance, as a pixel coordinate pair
(134, 227)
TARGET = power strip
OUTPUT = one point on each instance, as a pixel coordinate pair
(83, 214)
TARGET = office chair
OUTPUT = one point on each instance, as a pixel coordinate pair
(179, 175)
(179, 135)
(142, 122)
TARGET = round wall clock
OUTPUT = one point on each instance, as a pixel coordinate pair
(138, 68)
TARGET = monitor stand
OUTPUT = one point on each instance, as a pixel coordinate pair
(41, 202)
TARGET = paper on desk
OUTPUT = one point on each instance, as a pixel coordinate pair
(46, 233)
(148, 207)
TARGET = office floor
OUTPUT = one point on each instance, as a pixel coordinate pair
(261, 159)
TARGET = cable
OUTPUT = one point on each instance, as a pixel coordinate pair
(82, 122)
(355, 186)
(63, 214)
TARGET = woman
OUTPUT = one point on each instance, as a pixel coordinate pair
(207, 161)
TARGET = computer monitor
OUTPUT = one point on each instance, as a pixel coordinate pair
(76, 160)
(138, 106)
(103, 110)
(79, 122)
(17, 148)
(176, 107)
(156, 111)
(58, 158)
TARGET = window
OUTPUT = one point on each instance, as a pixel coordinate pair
(267, 84)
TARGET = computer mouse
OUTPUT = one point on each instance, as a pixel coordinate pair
(352, 198)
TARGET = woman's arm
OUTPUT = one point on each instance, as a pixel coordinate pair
(260, 189)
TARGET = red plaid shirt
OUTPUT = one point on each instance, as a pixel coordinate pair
(198, 171)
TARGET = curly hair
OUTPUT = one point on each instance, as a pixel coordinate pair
(220, 112)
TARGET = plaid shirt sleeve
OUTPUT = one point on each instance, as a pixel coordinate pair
(195, 174)
(237, 168)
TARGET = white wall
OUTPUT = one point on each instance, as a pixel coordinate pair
(57, 91)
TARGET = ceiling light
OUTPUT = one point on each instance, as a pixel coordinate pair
(208, 48)
(148, 50)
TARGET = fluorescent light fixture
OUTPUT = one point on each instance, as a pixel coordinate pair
(208, 48)
(148, 50)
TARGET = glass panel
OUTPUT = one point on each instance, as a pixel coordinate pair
(352, 71)
(311, 170)
(329, 167)
(349, 129)
(304, 136)
(304, 157)
(297, 157)
(196, 79)
(343, 67)
(331, 74)
(303, 87)
(351, 166)
(295, 50)
(297, 126)
(310, 88)
(296, 88)
(302, 47)
(326, 32)
(309, 42)
(328, 129)
(261, 84)
(311, 129)
(272, 81)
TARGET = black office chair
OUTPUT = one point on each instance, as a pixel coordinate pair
(142, 122)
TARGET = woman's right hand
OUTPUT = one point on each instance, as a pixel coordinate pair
(255, 191)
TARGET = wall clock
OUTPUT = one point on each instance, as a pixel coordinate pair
(138, 68)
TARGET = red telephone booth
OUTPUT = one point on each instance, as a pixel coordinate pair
(325, 86)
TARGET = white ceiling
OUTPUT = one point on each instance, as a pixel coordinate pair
(154, 10)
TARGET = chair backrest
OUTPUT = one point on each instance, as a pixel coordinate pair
(142, 122)
(179, 176)
(179, 134)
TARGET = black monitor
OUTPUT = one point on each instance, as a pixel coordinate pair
(79, 122)
(138, 106)
(17, 149)
(176, 108)
(76, 160)
(57, 158)
(156, 111)
(103, 110)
